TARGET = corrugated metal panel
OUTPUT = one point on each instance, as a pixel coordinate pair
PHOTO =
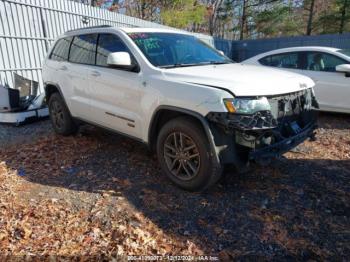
(248, 48)
(28, 28)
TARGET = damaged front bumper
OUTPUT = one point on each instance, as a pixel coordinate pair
(265, 134)
(284, 145)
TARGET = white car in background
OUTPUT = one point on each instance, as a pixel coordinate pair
(328, 67)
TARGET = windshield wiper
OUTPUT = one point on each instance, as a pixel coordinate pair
(177, 65)
(196, 64)
(219, 62)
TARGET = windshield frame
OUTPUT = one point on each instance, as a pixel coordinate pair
(226, 60)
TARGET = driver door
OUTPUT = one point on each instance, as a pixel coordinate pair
(115, 93)
(332, 88)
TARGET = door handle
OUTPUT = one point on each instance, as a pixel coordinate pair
(63, 68)
(95, 73)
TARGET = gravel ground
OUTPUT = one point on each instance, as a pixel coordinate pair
(102, 195)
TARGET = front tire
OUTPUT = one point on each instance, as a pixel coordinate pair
(61, 119)
(185, 156)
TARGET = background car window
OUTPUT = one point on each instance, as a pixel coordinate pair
(108, 43)
(83, 49)
(287, 60)
(61, 50)
(345, 52)
(317, 61)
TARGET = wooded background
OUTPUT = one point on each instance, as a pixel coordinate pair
(240, 19)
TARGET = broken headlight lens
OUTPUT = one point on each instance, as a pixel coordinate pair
(247, 105)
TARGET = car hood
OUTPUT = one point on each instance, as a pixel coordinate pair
(241, 80)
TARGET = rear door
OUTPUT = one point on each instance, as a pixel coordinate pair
(332, 88)
(56, 64)
(81, 61)
(114, 92)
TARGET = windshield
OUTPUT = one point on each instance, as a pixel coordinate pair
(345, 52)
(168, 50)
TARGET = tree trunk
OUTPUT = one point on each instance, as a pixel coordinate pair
(243, 20)
(143, 9)
(343, 14)
(213, 16)
(311, 15)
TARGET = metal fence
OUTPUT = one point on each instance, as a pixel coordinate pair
(28, 28)
(245, 49)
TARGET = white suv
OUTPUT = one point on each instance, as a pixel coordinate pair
(192, 105)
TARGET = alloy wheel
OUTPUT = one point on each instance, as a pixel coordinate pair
(57, 114)
(181, 156)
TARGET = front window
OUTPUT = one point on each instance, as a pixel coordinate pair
(169, 50)
(107, 44)
(318, 61)
(345, 52)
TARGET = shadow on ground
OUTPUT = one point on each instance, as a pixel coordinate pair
(293, 208)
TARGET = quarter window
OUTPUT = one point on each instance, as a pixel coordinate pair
(317, 61)
(83, 49)
(286, 60)
(61, 50)
(108, 43)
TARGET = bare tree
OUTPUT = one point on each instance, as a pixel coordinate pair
(310, 17)
(213, 10)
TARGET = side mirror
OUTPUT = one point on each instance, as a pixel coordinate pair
(221, 52)
(344, 68)
(120, 60)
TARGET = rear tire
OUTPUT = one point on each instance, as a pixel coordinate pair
(185, 156)
(61, 119)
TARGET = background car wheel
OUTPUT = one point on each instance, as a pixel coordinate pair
(185, 156)
(61, 119)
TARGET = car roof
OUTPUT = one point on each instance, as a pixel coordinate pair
(104, 28)
(299, 48)
(308, 48)
(150, 30)
(296, 49)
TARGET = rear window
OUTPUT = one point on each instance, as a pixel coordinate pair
(285, 60)
(61, 50)
(83, 49)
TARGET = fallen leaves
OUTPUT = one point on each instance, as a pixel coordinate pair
(85, 196)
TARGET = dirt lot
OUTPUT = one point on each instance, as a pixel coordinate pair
(98, 194)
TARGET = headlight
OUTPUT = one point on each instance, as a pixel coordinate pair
(246, 105)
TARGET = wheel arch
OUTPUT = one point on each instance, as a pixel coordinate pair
(51, 88)
(163, 114)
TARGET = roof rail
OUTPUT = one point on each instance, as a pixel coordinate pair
(89, 27)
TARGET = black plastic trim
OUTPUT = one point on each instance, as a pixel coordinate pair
(283, 146)
(201, 118)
